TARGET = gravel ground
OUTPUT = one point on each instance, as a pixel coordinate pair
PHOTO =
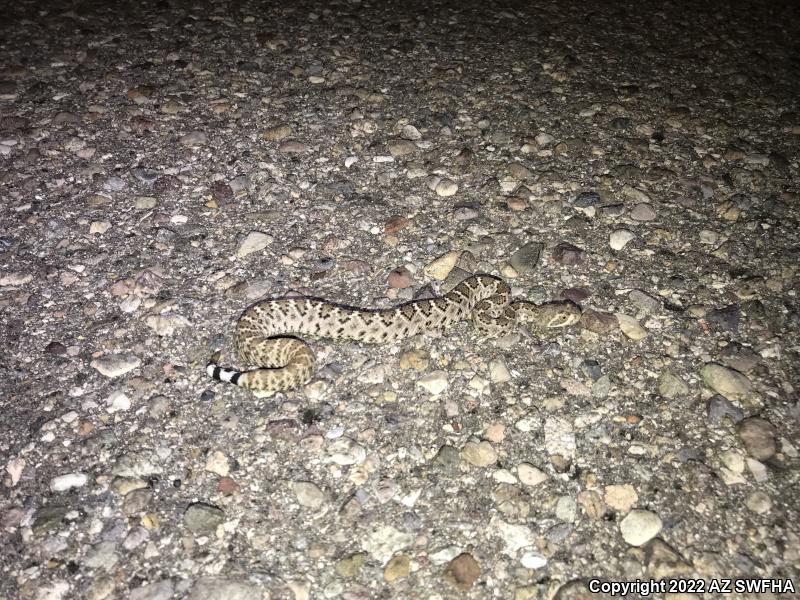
(163, 167)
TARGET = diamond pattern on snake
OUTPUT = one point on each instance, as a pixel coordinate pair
(275, 360)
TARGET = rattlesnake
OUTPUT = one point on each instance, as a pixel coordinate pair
(280, 362)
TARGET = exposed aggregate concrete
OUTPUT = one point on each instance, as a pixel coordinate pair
(164, 166)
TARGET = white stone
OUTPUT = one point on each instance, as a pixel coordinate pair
(67, 482)
(640, 526)
(434, 382)
(619, 238)
(254, 241)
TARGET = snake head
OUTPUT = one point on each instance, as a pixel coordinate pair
(559, 314)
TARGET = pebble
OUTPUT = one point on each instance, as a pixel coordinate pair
(620, 238)
(400, 147)
(515, 537)
(567, 254)
(415, 359)
(345, 451)
(68, 482)
(158, 590)
(758, 502)
(308, 494)
(725, 381)
(409, 132)
(255, 241)
(599, 322)
(671, 386)
(350, 566)
(726, 318)
(398, 567)
(720, 407)
(498, 371)
(631, 327)
(194, 138)
(293, 147)
(434, 382)
(214, 588)
(587, 203)
(115, 365)
(166, 325)
(526, 258)
(643, 212)
(644, 302)
(384, 541)
(440, 268)
(278, 133)
(620, 497)
(399, 279)
(447, 457)
(203, 519)
(533, 560)
(758, 437)
(739, 357)
(118, 401)
(462, 571)
(640, 526)
(218, 463)
(446, 187)
(635, 195)
(479, 454)
(102, 555)
(559, 438)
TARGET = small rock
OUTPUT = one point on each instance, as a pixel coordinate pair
(480, 454)
(351, 565)
(440, 268)
(415, 359)
(293, 147)
(640, 526)
(385, 541)
(620, 497)
(447, 457)
(158, 590)
(446, 187)
(218, 463)
(620, 238)
(498, 371)
(254, 241)
(345, 451)
(397, 568)
(102, 555)
(194, 138)
(214, 588)
(725, 381)
(69, 481)
(719, 407)
(644, 302)
(758, 437)
(643, 212)
(118, 401)
(567, 254)
(308, 494)
(526, 258)
(671, 386)
(115, 365)
(599, 322)
(631, 327)
(278, 133)
(462, 571)
(399, 148)
(533, 560)
(399, 278)
(739, 357)
(759, 502)
(726, 318)
(203, 519)
(434, 382)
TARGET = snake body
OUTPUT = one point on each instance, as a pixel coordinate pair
(264, 340)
